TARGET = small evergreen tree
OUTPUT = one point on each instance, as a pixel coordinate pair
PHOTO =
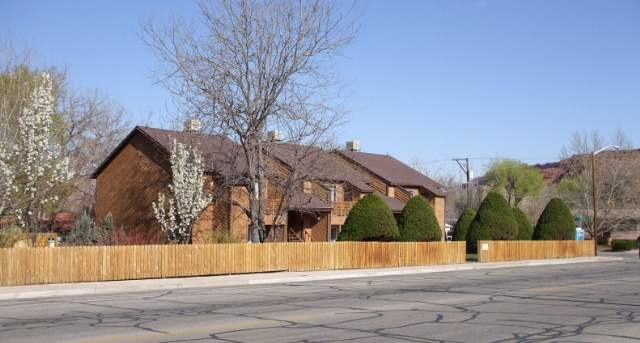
(555, 222)
(84, 232)
(525, 229)
(418, 222)
(462, 225)
(494, 221)
(105, 234)
(370, 219)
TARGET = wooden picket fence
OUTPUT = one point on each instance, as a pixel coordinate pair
(498, 251)
(27, 266)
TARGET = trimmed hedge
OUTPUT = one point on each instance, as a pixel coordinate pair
(370, 219)
(623, 244)
(555, 222)
(525, 229)
(462, 225)
(494, 221)
(418, 222)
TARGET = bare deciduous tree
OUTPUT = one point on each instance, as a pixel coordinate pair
(253, 66)
(456, 189)
(92, 126)
(617, 180)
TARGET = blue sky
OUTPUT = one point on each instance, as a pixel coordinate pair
(425, 79)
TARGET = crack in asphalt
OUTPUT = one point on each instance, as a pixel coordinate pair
(554, 303)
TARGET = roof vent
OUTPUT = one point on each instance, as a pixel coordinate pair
(275, 135)
(353, 145)
(192, 125)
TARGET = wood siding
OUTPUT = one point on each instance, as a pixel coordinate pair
(402, 194)
(318, 226)
(129, 185)
(320, 192)
(438, 208)
(341, 211)
(215, 217)
(27, 266)
(238, 217)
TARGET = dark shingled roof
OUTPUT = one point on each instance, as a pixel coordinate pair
(224, 157)
(394, 204)
(319, 164)
(221, 154)
(393, 171)
(308, 202)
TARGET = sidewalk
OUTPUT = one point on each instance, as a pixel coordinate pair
(111, 287)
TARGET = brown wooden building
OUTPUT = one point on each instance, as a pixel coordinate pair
(129, 180)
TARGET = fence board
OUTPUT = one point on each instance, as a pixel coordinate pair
(24, 266)
(499, 251)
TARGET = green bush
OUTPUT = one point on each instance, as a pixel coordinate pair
(623, 244)
(84, 232)
(370, 219)
(462, 225)
(494, 221)
(555, 222)
(418, 222)
(11, 235)
(525, 229)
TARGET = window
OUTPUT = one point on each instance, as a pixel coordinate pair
(349, 195)
(334, 195)
(335, 230)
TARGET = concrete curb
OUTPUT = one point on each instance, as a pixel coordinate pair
(112, 287)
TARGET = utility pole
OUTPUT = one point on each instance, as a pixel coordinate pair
(467, 171)
(593, 199)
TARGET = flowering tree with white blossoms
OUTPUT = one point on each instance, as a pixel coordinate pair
(7, 178)
(187, 198)
(34, 171)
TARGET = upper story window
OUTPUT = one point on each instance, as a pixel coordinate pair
(333, 195)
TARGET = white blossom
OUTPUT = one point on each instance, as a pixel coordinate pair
(177, 214)
(33, 166)
(7, 177)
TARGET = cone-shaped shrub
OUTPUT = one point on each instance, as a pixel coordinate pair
(418, 222)
(370, 219)
(462, 225)
(494, 221)
(555, 222)
(525, 229)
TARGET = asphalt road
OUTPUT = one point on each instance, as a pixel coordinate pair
(587, 302)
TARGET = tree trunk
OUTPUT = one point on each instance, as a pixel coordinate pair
(261, 192)
(256, 188)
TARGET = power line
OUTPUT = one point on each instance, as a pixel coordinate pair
(493, 158)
